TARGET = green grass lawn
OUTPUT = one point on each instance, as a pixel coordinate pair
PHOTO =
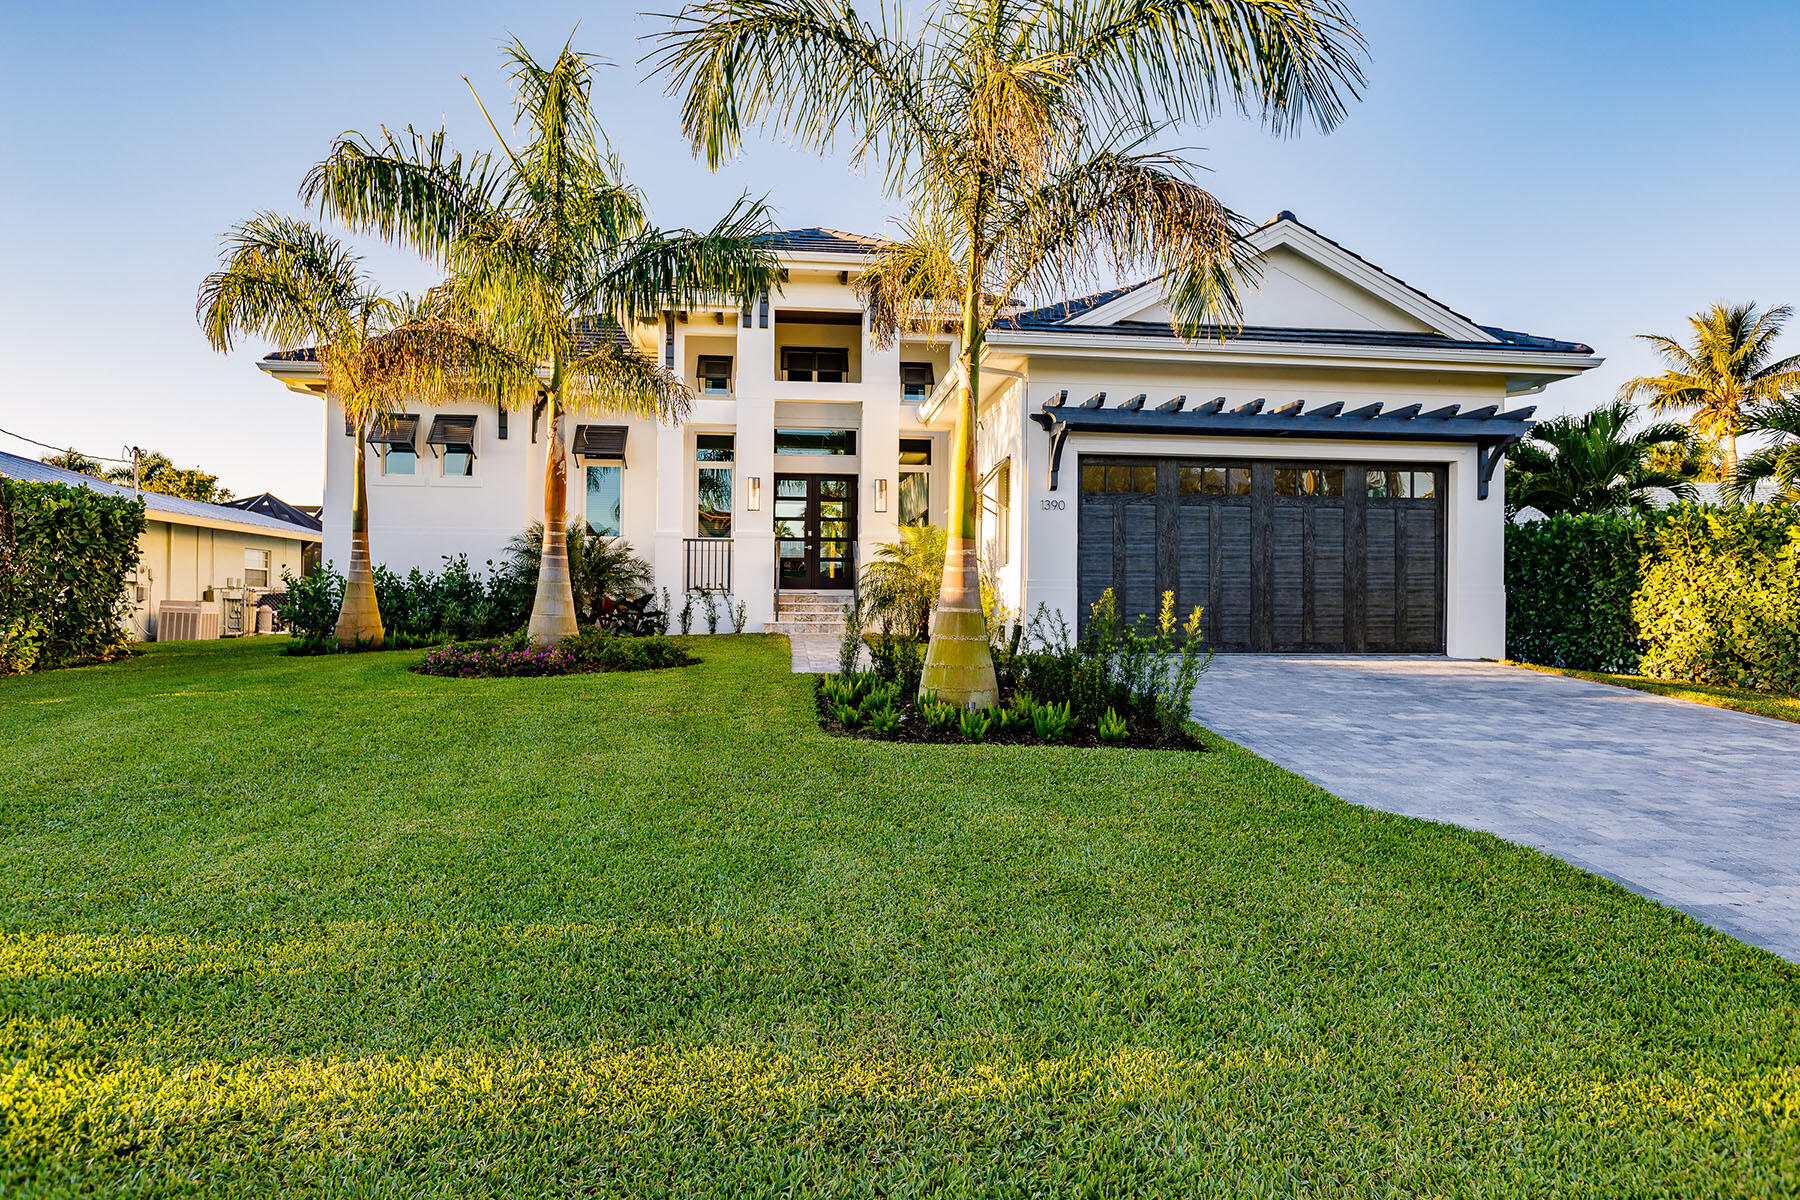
(275, 926)
(1763, 704)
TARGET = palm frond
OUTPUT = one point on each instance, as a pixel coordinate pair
(408, 188)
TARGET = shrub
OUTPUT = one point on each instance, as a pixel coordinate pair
(1112, 726)
(309, 604)
(740, 616)
(710, 602)
(594, 649)
(65, 555)
(974, 724)
(1719, 599)
(1569, 586)
(938, 714)
(899, 660)
(601, 568)
(851, 644)
(1051, 722)
(590, 649)
(1147, 672)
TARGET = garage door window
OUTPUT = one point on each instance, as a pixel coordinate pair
(1402, 485)
(1118, 480)
(1301, 481)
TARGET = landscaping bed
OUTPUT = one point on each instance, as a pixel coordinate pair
(588, 651)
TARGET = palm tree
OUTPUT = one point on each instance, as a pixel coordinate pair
(550, 254)
(600, 567)
(1725, 376)
(1778, 461)
(291, 283)
(900, 586)
(1018, 136)
(1594, 462)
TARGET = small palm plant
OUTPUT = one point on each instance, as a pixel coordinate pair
(289, 282)
(551, 257)
(1019, 137)
(600, 567)
(1727, 374)
(899, 586)
(1595, 462)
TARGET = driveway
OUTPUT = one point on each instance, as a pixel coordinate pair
(1693, 806)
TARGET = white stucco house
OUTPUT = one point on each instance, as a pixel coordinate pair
(202, 567)
(1325, 477)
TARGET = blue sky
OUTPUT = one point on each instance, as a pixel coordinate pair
(1587, 169)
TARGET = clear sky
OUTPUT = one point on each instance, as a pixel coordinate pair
(1586, 169)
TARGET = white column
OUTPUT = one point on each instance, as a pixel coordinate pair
(879, 449)
(753, 533)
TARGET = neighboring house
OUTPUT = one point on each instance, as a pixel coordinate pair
(304, 515)
(1326, 477)
(202, 565)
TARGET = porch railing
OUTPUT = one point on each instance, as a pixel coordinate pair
(706, 564)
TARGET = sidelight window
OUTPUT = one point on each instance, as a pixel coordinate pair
(602, 508)
(714, 456)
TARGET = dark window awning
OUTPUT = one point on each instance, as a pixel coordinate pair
(401, 430)
(600, 441)
(1491, 430)
(918, 374)
(452, 433)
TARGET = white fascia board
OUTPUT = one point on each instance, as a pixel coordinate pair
(1502, 357)
(291, 532)
(1118, 308)
(1370, 278)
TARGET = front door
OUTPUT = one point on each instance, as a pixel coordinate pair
(815, 528)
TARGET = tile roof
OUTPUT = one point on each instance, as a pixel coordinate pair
(31, 470)
(825, 241)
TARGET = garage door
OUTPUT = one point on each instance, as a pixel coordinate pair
(1283, 556)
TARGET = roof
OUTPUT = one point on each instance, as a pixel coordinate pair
(161, 507)
(587, 340)
(270, 505)
(1055, 316)
(816, 240)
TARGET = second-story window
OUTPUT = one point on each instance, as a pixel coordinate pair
(714, 371)
(916, 380)
(821, 364)
(714, 457)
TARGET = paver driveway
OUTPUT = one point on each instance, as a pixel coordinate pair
(1696, 807)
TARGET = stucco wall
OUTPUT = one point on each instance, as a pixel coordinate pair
(181, 562)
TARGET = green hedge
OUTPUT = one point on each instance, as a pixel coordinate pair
(1718, 601)
(1698, 595)
(65, 554)
(1569, 585)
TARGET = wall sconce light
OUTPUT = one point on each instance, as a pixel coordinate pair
(753, 497)
(881, 495)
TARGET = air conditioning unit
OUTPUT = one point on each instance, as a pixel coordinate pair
(186, 621)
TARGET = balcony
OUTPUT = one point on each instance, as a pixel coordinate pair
(706, 564)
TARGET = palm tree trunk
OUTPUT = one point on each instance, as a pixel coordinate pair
(959, 667)
(553, 609)
(1731, 455)
(359, 617)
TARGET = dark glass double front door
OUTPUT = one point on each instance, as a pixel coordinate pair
(815, 528)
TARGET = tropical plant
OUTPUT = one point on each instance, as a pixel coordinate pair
(1726, 375)
(550, 256)
(900, 584)
(1019, 136)
(154, 472)
(601, 568)
(1595, 462)
(293, 284)
(1777, 461)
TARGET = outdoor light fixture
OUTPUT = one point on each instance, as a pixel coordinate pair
(881, 495)
(753, 497)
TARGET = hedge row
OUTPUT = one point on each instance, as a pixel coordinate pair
(65, 554)
(1693, 594)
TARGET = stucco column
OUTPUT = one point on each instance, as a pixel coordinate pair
(879, 449)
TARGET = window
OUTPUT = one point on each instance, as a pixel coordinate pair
(1295, 481)
(1402, 485)
(714, 454)
(453, 438)
(996, 513)
(715, 374)
(256, 568)
(397, 436)
(602, 510)
(815, 441)
(916, 380)
(824, 364)
(915, 485)
(399, 460)
(458, 464)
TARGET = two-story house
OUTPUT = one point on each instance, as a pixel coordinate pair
(1325, 476)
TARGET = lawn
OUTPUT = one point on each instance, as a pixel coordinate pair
(325, 927)
(1763, 704)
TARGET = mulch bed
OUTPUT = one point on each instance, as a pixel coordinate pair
(913, 728)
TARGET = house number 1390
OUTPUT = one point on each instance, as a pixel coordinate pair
(1053, 504)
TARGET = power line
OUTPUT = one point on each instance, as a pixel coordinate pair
(64, 449)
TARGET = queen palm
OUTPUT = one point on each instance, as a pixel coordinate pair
(1018, 135)
(1727, 374)
(291, 283)
(550, 253)
(1595, 462)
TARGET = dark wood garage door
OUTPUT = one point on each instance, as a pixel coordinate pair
(1283, 556)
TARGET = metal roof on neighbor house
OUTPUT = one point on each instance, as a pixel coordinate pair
(271, 505)
(187, 512)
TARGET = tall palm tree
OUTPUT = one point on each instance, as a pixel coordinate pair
(1595, 462)
(1726, 374)
(550, 253)
(291, 283)
(1018, 135)
(1778, 461)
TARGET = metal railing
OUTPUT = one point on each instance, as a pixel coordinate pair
(706, 564)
